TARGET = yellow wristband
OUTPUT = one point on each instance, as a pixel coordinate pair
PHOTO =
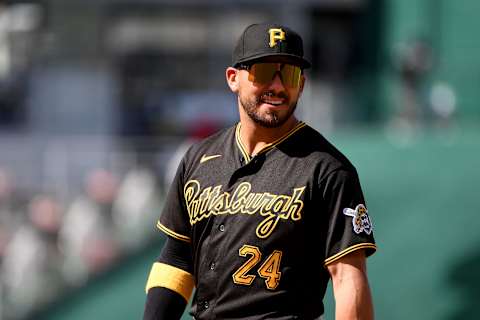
(175, 279)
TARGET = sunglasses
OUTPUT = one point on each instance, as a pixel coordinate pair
(264, 73)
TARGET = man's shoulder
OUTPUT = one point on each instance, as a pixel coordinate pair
(310, 143)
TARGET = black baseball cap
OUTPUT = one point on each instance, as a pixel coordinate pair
(269, 39)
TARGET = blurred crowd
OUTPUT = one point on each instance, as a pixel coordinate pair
(49, 245)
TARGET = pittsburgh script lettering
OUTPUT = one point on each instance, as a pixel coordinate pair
(212, 200)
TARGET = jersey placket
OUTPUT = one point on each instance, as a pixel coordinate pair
(214, 246)
(218, 241)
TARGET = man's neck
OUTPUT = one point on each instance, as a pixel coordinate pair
(255, 137)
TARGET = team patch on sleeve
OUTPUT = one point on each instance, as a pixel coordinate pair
(360, 220)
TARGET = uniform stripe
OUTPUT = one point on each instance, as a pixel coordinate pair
(240, 145)
(350, 250)
(268, 146)
(285, 137)
(172, 233)
(170, 277)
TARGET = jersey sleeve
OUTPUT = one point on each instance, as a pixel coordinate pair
(174, 219)
(349, 225)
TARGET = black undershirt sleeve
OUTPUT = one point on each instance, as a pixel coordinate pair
(177, 253)
(163, 303)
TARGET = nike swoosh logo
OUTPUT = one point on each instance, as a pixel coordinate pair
(206, 158)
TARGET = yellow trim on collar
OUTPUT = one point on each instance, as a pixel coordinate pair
(268, 146)
(348, 250)
(172, 233)
(240, 144)
(281, 139)
(170, 277)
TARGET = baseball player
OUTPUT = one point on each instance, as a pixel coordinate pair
(261, 215)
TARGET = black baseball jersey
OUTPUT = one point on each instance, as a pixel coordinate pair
(262, 228)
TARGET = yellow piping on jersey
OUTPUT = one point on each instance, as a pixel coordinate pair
(172, 233)
(242, 148)
(268, 146)
(170, 277)
(348, 250)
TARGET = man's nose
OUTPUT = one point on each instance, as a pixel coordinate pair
(277, 83)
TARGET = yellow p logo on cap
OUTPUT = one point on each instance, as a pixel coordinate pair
(276, 34)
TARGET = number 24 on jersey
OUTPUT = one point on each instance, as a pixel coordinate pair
(269, 270)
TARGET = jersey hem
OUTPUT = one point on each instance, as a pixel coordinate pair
(172, 233)
(351, 249)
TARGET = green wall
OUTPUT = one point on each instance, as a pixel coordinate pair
(451, 27)
(460, 53)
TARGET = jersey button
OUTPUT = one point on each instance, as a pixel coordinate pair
(212, 266)
(221, 227)
(206, 305)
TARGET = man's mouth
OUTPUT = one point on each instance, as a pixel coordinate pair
(273, 100)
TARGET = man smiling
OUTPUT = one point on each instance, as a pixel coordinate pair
(262, 215)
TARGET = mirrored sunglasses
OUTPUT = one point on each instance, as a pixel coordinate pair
(264, 73)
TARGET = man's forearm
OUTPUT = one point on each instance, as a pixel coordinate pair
(170, 282)
(353, 299)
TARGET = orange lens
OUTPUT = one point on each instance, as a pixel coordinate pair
(264, 73)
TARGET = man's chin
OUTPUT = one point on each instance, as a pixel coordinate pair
(268, 115)
(270, 121)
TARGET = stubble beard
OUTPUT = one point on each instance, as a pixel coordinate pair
(272, 119)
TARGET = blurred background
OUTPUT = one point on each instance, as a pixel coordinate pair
(99, 100)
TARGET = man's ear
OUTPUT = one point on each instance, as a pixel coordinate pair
(232, 78)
